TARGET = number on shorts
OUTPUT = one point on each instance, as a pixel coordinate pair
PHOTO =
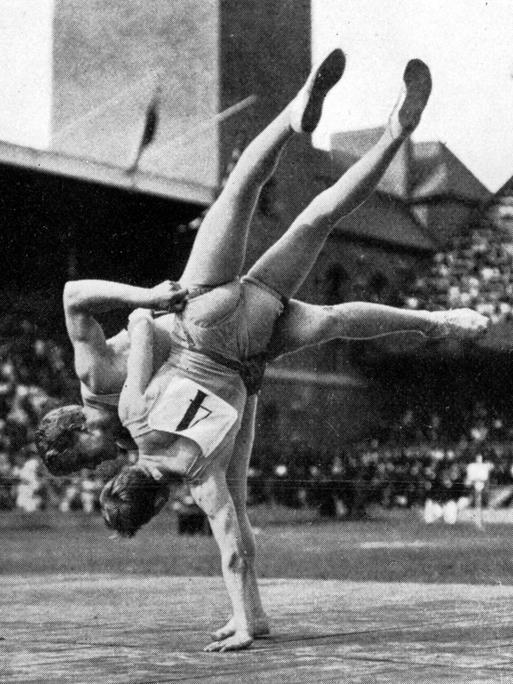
(195, 405)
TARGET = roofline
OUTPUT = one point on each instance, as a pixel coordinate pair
(90, 171)
(446, 197)
(385, 245)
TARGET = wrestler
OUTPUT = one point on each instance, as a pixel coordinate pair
(73, 437)
(185, 419)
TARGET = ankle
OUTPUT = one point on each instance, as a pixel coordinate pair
(393, 129)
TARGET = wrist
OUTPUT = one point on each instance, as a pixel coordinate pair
(143, 298)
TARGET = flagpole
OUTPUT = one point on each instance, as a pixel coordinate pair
(151, 121)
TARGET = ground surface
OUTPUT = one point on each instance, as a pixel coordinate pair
(114, 628)
(386, 600)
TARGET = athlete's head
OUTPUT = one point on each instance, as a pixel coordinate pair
(132, 499)
(67, 442)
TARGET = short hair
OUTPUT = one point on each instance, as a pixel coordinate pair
(56, 439)
(132, 499)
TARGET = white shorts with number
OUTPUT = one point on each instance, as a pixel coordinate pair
(190, 410)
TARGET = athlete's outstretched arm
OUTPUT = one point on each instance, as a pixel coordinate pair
(82, 297)
(213, 497)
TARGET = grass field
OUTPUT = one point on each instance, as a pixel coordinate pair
(396, 548)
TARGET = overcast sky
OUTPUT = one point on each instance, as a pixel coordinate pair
(468, 45)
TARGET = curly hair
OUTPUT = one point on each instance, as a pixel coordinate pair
(132, 499)
(56, 439)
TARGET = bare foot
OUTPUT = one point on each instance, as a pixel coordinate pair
(306, 108)
(260, 628)
(463, 324)
(237, 642)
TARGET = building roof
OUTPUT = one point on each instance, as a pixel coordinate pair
(107, 63)
(143, 180)
(419, 172)
(506, 190)
(436, 171)
(385, 219)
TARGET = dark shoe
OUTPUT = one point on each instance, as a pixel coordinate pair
(307, 106)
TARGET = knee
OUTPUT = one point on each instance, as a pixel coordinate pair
(322, 209)
(323, 323)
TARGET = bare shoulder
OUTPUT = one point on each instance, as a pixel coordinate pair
(100, 366)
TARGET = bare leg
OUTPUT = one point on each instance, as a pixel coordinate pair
(236, 476)
(219, 250)
(287, 263)
(303, 325)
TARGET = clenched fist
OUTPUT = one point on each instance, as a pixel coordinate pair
(168, 296)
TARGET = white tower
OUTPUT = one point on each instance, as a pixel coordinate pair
(26, 71)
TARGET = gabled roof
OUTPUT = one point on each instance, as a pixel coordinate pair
(506, 190)
(385, 219)
(436, 171)
(419, 172)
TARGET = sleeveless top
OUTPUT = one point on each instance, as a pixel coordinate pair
(211, 416)
(98, 400)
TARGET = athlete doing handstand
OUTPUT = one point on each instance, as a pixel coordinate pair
(79, 436)
(186, 418)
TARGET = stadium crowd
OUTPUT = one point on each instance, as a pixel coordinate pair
(417, 459)
(475, 270)
(33, 371)
(410, 465)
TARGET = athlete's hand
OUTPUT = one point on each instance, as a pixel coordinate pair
(168, 296)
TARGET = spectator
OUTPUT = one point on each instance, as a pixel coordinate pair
(29, 489)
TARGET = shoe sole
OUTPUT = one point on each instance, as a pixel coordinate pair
(328, 74)
(417, 79)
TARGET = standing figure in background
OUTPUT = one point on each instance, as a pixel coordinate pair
(478, 475)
